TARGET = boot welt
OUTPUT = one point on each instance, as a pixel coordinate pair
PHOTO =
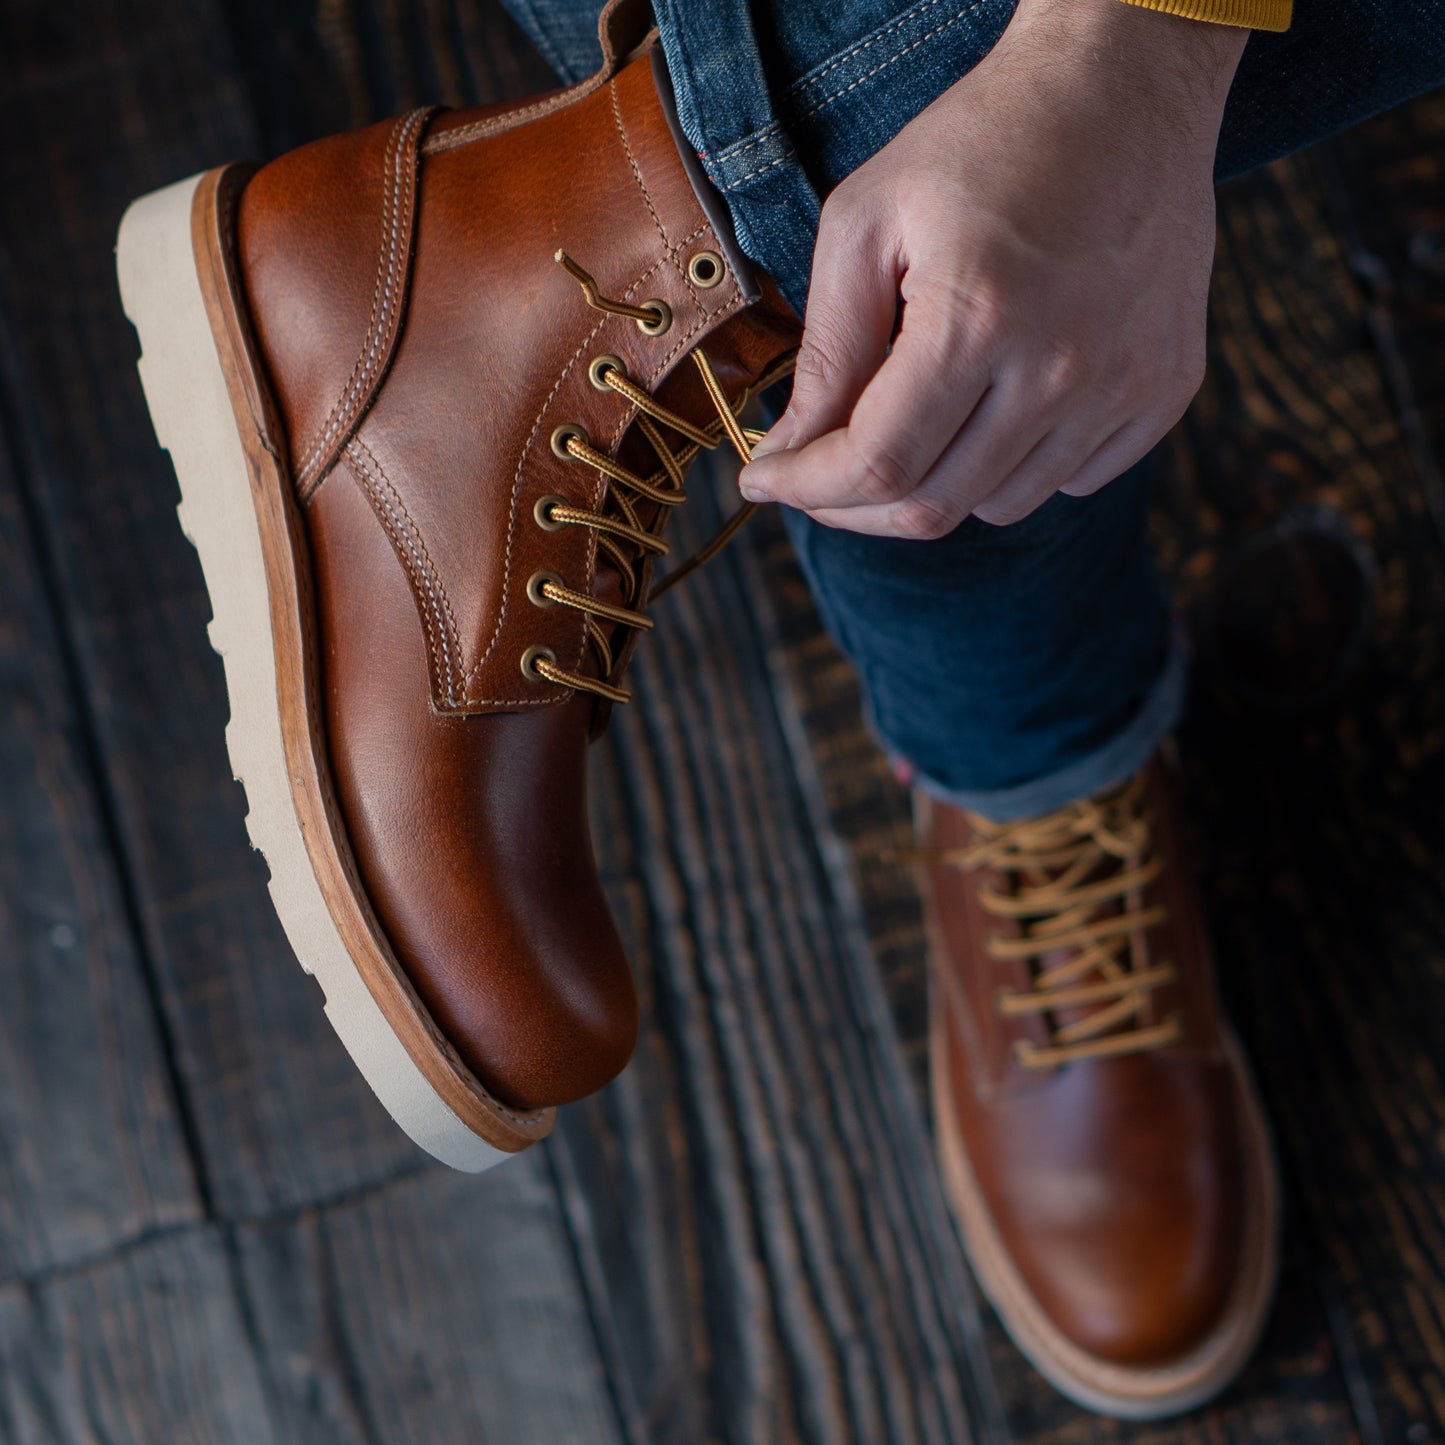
(212, 411)
(1123, 1392)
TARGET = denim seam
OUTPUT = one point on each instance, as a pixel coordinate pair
(884, 64)
(731, 152)
(798, 87)
(781, 160)
(1111, 762)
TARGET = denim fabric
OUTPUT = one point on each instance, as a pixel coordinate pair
(1014, 668)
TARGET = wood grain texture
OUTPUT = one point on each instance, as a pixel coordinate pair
(751, 1246)
(1298, 499)
(147, 1346)
(208, 1229)
(93, 1148)
(435, 1308)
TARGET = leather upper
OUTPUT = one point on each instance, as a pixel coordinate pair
(422, 345)
(1115, 1184)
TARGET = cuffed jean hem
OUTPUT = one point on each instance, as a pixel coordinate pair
(1114, 762)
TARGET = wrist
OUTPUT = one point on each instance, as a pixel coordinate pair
(1189, 61)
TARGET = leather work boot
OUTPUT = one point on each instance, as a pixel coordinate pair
(1101, 1141)
(430, 389)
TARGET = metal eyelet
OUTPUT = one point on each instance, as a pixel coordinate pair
(601, 365)
(706, 269)
(536, 582)
(542, 512)
(664, 318)
(563, 435)
(531, 657)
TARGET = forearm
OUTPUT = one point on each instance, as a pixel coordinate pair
(1122, 62)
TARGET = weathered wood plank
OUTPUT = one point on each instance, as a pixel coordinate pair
(825, 1276)
(803, 1286)
(92, 1146)
(143, 1348)
(150, 92)
(441, 1308)
(1294, 1391)
(1320, 829)
(743, 1240)
(1325, 827)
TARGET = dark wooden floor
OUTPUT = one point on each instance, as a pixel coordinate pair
(209, 1232)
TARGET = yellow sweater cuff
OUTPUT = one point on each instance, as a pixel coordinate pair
(1253, 14)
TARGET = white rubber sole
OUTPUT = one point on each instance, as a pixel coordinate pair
(191, 408)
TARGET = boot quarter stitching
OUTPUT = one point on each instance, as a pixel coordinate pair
(380, 296)
(517, 481)
(398, 191)
(636, 173)
(673, 252)
(548, 105)
(443, 637)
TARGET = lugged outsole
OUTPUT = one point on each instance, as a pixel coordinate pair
(190, 406)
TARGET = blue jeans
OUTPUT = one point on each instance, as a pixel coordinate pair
(1014, 668)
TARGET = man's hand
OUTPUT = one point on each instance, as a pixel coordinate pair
(1048, 224)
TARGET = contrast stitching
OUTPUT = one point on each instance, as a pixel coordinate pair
(801, 87)
(701, 324)
(397, 190)
(498, 124)
(311, 673)
(807, 82)
(517, 484)
(883, 65)
(381, 295)
(637, 174)
(516, 494)
(731, 152)
(782, 160)
(444, 639)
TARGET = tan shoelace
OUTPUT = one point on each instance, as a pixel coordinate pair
(616, 522)
(1077, 881)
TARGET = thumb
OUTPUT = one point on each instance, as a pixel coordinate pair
(852, 306)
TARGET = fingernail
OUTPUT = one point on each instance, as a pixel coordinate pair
(780, 438)
(752, 494)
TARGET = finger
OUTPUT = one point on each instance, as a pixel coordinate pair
(929, 386)
(1005, 427)
(1056, 459)
(852, 308)
(1130, 444)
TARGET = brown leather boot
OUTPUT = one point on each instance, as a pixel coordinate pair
(1101, 1141)
(430, 389)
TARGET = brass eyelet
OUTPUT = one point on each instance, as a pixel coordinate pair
(601, 365)
(705, 269)
(563, 434)
(664, 318)
(542, 512)
(531, 657)
(535, 584)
